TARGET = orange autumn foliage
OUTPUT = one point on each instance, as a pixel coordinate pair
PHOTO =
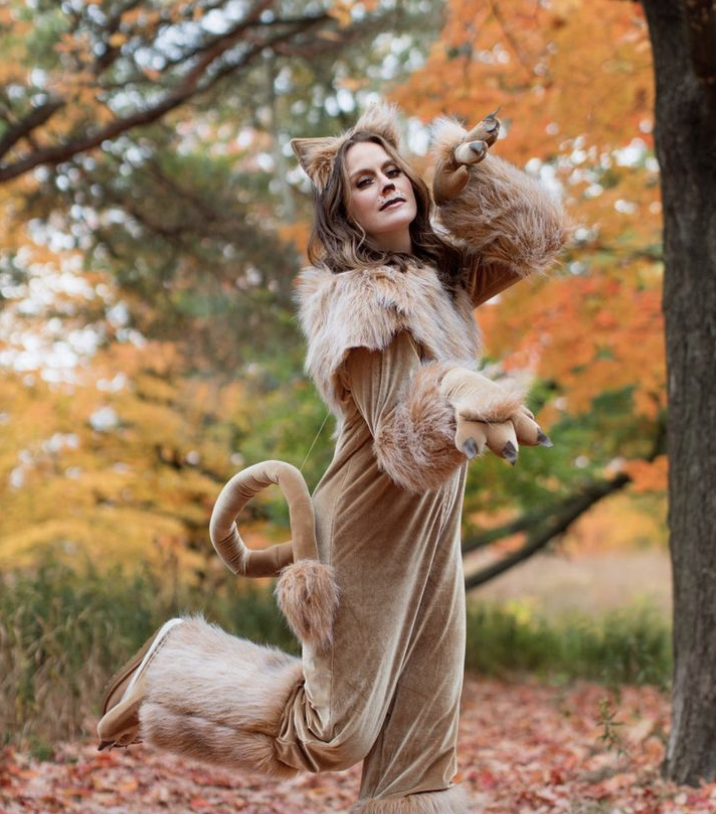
(591, 334)
(558, 70)
(648, 476)
(574, 84)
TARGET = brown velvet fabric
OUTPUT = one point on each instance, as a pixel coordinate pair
(389, 689)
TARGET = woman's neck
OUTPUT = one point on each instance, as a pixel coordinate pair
(394, 242)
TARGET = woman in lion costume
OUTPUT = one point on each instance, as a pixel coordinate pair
(372, 581)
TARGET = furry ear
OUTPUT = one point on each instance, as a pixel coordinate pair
(380, 118)
(316, 156)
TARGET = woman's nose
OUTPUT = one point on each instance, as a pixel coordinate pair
(388, 183)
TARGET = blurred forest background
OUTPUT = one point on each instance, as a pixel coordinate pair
(152, 222)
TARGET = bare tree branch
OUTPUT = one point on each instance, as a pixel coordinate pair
(189, 87)
(112, 51)
(546, 525)
(36, 119)
(220, 45)
(522, 523)
(572, 509)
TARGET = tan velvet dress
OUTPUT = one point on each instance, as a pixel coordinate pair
(388, 519)
(390, 686)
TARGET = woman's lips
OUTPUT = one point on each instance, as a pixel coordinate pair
(393, 205)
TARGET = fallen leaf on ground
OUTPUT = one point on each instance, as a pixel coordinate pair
(524, 747)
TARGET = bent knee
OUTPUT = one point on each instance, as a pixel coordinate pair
(351, 748)
(330, 754)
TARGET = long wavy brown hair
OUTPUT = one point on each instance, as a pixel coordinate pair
(339, 243)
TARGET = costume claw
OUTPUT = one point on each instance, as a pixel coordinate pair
(494, 113)
(470, 448)
(509, 452)
(544, 440)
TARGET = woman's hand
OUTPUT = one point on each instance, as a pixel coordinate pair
(452, 175)
(489, 415)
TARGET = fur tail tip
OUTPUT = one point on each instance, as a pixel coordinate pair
(307, 595)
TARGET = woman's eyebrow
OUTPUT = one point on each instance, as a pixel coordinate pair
(368, 169)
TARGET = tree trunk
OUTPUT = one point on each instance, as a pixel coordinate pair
(683, 37)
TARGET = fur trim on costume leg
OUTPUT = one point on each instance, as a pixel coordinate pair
(415, 444)
(450, 801)
(217, 698)
(503, 214)
(307, 595)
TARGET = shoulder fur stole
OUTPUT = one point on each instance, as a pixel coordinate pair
(366, 307)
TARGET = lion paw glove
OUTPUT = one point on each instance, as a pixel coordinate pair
(453, 173)
(488, 414)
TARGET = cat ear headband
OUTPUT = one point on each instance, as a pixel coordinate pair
(317, 155)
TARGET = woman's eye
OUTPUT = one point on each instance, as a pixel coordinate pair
(391, 173)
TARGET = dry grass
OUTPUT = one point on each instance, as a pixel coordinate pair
(594, 583)
(63, 634)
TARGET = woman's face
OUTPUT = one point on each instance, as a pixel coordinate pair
(381, 197)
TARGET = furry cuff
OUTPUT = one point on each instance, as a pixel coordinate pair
(415, 444)
(307, 595)
(218, 698)
(450, 801)
(502, 214)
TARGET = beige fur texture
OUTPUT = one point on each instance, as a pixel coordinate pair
(450, 801)
(217, 698)
(307, 595)
(497, 407)
(415, 444)
(367, 307)
(478, 398)
(317, 155)
(503, 215)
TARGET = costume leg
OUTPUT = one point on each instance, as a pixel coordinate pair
(218, 698)
(450, 801)
(410, 767)
(387, 691)
(215, 697)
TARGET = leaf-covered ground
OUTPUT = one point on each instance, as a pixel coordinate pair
(525, 748)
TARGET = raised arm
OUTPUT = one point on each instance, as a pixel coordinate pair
(508, 224)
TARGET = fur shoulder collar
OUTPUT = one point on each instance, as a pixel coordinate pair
(366, 307)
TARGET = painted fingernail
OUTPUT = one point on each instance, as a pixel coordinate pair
(491, 127)
(478, 147)
(470, 448)
(509, 452)
(544, 440)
